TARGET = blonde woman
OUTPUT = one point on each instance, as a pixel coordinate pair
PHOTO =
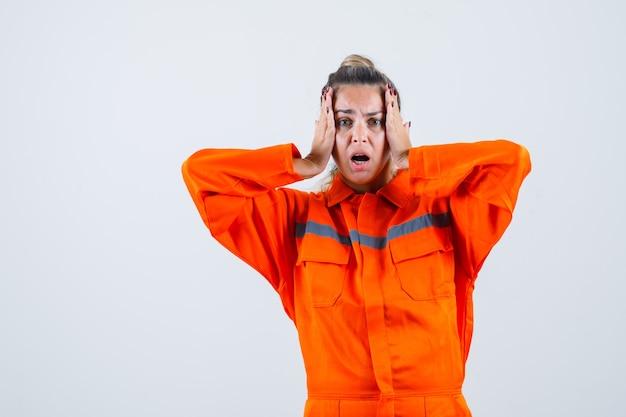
(377, 271)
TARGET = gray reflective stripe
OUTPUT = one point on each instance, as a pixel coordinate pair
(375, 242)
(419, 223)
(322, 230)
(367, 240)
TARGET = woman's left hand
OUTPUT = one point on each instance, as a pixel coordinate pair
(396, 131)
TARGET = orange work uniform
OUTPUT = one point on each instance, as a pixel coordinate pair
(379, 285)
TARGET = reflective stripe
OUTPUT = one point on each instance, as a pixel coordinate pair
(367, 240)
(375, 242)
(322, 230)
(419, 223)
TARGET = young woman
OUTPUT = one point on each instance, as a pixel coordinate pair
(377, 271)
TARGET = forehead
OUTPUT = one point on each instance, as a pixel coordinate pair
(365, 98)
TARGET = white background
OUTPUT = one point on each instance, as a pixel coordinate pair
(115, 300)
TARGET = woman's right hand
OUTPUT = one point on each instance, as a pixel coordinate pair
(323, 141)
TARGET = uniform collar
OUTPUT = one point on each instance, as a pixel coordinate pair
(397, 191)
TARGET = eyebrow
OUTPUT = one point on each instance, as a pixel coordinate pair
(350, 111)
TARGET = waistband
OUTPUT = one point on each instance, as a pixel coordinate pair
(439, 403)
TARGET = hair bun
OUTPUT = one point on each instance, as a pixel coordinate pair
(355, 60)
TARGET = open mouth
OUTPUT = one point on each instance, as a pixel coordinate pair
(360, 158)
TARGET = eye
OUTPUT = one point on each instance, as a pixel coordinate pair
(344, 122)
(376, 122)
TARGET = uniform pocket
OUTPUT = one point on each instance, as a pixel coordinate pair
(324, 272)
(425, 267)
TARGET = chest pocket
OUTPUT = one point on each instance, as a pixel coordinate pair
(324, 268)
(425, 266)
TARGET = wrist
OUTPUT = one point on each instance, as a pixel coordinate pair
(306, 167)
(402, 160)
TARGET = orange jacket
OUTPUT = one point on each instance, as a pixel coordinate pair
(378, 285)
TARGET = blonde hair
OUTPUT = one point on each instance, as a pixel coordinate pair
(355, 60)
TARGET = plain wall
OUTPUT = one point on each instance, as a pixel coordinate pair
(116, 301)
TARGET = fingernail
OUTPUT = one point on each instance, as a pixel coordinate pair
(327, 109)
(392, 104)
(409, 123)
(389, 86)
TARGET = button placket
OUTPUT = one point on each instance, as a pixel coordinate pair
(375, 308)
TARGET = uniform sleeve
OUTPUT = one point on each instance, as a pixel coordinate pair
(236, 193)
(482, 181)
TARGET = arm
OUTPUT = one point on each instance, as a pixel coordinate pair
(482, 181)
(236, 196)
(235, 193)
(225, 170)
(235, 173)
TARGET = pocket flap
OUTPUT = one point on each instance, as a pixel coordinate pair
(316, 249)
(416, 246)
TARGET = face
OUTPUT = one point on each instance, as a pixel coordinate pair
(361, 151)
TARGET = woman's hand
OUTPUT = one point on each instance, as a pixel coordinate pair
(323, 140)
(397, 132)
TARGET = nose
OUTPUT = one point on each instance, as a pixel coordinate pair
(359, 133)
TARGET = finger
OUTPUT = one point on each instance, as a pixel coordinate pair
(321, 124)
(329, 106)
(391, 97)
(330, 112)
(407, 127)
(323, 106)
(325, 126)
